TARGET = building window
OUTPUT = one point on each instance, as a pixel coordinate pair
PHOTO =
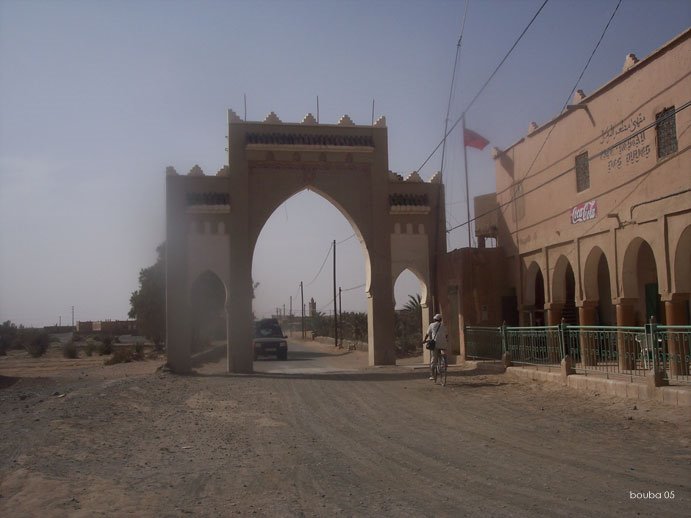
(582, 172)
(666, 129)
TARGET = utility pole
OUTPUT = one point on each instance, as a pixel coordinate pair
(335, 314)
(72, 316)
(290, 313)
(340, 311)
(302, 300)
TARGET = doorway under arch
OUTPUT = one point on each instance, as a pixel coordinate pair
(640, 282)
(597, 287)
(207, 312)
(564, 290)
(412, 312)
(295, 246)
(534, 296)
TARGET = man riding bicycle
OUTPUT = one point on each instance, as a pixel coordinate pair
(435, 340)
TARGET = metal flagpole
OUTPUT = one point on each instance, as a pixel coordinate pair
(467, 193)
(335, 301)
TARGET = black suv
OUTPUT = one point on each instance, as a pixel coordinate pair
(269, 339)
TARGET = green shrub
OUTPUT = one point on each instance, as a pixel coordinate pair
(139, 348)
(89, 348)
(121, 355)
(106, 345)
(69, 350)
(8, 336)
(35, 342)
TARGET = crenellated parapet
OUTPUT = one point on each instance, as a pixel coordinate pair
(308, 120)
(413, 177)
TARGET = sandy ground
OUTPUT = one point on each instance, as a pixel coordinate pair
(321, 435)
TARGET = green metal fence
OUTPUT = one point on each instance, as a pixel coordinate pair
(609, 349)
(534, 345)
(674, 345)
(628, 351)
(483, 343)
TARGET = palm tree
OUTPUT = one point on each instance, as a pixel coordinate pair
(414, 303)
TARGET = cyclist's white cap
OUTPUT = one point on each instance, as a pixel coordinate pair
(437, 317)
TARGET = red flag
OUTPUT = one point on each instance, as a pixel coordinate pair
(472, 139)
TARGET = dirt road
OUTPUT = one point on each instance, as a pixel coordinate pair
(323, 435)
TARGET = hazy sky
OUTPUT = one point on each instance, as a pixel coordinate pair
(98, 97)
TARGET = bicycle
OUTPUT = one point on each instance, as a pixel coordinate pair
(439, 367)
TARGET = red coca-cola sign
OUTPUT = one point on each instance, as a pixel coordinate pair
(584, 212)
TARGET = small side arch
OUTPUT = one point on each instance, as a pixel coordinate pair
(560, 279)
(681, 274)
(208, 310)
(533, 277)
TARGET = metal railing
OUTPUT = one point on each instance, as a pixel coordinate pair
(534, 345)
(483, 343)
(609, 349)
(632, 351)
(674, 346)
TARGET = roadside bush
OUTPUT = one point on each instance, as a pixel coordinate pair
(77, 337)
(139, 348)
(35, 342)
(106, 345)
(69, 350)
(121, 355)
(89, 348)
(124, 355)
(8, 336)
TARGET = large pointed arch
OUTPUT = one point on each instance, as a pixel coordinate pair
(265, 211)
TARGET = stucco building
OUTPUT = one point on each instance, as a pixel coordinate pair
(592, 210)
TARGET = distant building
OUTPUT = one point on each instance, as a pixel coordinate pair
(108, 327)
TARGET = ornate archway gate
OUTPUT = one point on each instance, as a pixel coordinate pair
(213, 222)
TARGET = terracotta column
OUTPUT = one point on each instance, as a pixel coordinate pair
(676, 312)
(554, 311)
(587, 312)
(626, 350)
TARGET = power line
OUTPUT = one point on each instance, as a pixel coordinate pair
(515, 196)
(324, 306)
(321, 267)
(568, 98)
(351, 236)
(353, 288)
(483, 86)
